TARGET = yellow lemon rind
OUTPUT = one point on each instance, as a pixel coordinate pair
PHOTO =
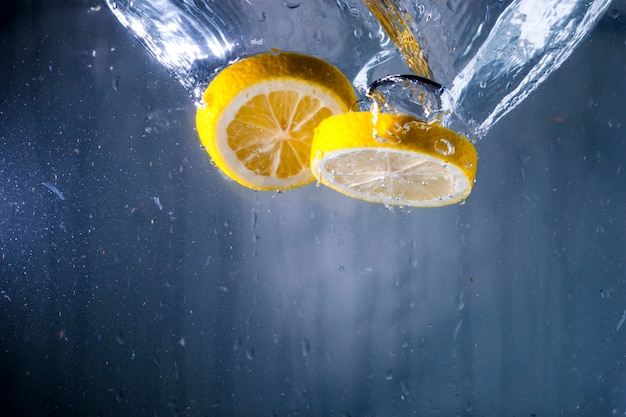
(340, 139)
(261, 74)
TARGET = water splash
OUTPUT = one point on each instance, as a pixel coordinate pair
(529, 41)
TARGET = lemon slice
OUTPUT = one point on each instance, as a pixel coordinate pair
(260, 114)
(402, 161)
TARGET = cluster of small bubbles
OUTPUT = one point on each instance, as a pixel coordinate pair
(614, 125)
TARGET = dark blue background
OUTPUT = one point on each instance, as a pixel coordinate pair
(230, 302)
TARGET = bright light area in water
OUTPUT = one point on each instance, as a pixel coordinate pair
(535, 19)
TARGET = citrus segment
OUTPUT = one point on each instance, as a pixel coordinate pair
(260, 114)
(399, 161)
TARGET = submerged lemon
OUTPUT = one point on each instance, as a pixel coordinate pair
(260, 113)
(402, 161)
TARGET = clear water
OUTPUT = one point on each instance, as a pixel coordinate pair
(196, 39)
(529, 41)
(490, 55)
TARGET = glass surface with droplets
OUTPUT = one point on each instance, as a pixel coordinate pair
(488, 55)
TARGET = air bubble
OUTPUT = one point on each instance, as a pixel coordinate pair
(444, 147)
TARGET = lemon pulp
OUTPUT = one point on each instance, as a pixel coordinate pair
(400, 161)
(260, 114)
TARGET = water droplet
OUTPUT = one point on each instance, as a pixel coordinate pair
(250, 353)
(459, 301)
(389, 374)
(413, 261)
(483, 84)
(444, 147)
(457, 329)
(342, 268)
(238, 344)
(306, 347)
(406, 389)
(254, 220)
(292, 4)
